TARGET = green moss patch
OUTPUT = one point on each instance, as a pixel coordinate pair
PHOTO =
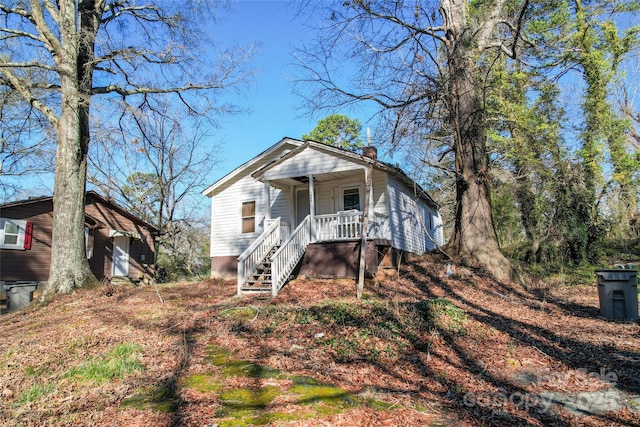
(230, 367)
(218, 356)
(312, 391)
(259, 419)
(250, 406)
(248, 399)
(254, 405)
(204, 383)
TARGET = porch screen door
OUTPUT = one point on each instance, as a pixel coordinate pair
(302, 205)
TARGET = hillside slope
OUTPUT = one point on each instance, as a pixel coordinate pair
(429, 344)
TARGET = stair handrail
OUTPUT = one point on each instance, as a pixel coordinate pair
(285, 259)
(251, 258)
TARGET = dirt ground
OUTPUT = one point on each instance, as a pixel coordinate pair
(428, 344)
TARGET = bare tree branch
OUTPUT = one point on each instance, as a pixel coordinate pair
(23, 88)
(66, 57)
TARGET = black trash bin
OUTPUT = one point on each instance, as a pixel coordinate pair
(19, 294)
(618, 293)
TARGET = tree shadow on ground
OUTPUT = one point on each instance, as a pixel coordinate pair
(563, 350)
(432, 363)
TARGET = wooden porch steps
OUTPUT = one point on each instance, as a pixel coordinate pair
(260, 281)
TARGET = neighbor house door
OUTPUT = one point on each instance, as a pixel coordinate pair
(120, 256)
(302, 205)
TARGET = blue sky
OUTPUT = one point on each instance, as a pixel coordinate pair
(275, 111)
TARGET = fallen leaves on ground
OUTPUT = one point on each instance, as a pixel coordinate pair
(421, 347)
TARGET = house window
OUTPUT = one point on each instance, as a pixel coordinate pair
(88, 242)
(351, 199)
(12, 234)
(249, 217)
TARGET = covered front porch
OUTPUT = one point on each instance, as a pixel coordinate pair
(326, 207)
(337, 239)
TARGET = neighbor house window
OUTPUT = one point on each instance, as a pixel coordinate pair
(12, 234)
(351, 199)
(88, 242)
(248, 217)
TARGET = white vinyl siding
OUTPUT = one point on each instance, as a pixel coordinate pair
(324, 197)
(328, 194)
(396, 213)
(12, 233)
(226, 217)
(226, 197)
(281, 205)
(437, 228)
(410, 220)
(380, 196)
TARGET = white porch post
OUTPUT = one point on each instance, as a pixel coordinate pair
(312, 209)
(365, 224)
(267, 201)
(369, 193)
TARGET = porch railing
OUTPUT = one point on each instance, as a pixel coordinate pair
(285, 227)
(254, 254)
(340, 226)
(333, 227)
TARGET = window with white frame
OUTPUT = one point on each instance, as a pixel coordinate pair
(12, 233)
(249, 217)
(88, 242)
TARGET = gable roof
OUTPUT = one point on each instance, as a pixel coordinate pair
(347, 157)
(354, 157)
(283, 145)
(289, 148)
(88, 194)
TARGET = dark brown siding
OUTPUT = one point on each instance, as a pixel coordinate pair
(34, 263)
(110, 219)
(339, 260)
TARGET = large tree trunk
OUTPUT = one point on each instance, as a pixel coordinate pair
(69, 266)
(474, 237)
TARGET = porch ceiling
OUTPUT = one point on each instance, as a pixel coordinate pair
(321, 177)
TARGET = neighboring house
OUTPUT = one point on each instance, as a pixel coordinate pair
(118, 244)
(298, 208)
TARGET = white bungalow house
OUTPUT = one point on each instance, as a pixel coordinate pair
(298, 208)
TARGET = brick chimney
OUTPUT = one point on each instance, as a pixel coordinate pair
(370, 152)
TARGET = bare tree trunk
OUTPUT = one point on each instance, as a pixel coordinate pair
(474, 237)
(48, 61)
(69, 266)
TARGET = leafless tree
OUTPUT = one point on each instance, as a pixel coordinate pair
(155, 162)
(60, 56)
(424, 64)
(25, 144)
